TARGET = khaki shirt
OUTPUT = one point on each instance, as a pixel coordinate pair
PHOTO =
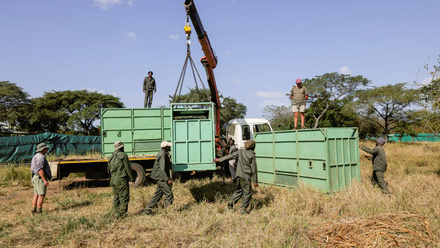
(149, 83)
(162, 166)
(299, 95)
(246, 164)
(119, 166)
(379, 157)
(39, 162)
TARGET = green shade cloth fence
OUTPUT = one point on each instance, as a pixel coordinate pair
(421, 137)
(22, 148)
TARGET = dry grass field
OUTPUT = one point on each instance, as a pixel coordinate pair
(76, 213)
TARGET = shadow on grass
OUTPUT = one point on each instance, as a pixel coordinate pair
(76, 205)
(211, 192)
(87, 184)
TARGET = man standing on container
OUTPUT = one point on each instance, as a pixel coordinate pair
(246, 171)
(299, 95)
(379, 164)
(149, 89)
(161, 173)
(120, 173)
(41, 175)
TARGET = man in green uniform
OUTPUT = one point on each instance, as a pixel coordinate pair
(299, 95)
(41, 175)
(161, 173)
(379, 163)
(120, 173)
(245, 171)
(149, 89)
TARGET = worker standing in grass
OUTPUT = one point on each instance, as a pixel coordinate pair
(161, 173)
(299, 95)
(246, 171)
(120, 173)
(379, 163)
(149, 89)
(41, 175)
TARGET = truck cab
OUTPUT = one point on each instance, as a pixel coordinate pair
(242, 130)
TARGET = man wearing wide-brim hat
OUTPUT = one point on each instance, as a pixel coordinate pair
(161, 173)
(41, 175)
(120, 172)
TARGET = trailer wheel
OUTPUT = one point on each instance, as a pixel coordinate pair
(140, 174)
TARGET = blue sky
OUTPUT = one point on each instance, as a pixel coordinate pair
(262, 46)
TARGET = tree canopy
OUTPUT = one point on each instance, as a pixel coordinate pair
(326, 89)
(386, 105)
(71, 112)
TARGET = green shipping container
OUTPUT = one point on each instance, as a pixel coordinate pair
(193, 128)
(326, 159)
(141, 130)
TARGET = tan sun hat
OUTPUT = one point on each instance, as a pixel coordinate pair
(118, 145)
(41, 147)
(165, 144)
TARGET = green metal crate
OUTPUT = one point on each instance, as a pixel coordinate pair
(193, 127)
(327, 159)
(141, 130)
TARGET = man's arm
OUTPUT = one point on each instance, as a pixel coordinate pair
(368, 150)
(128, 169)
(162, 167)
(41, 173)
(254, 171)
(154, 83)
(228, 157)
(306, 92)
(144, 84)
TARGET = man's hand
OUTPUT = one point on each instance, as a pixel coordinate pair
(46, 183)
(154, 91)
(306, 97)
(291, 97)
(132, 182)
(170, 182)
(360, 145)
(255, 185)
(143, 90)
(216, 160)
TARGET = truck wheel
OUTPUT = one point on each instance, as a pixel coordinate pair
(140, 175)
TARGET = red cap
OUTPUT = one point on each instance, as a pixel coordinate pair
(298, 81)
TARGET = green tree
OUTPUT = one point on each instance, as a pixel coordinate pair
(280, 117)
(338, 114)
(386, 105)
(229, 110)
(13, 100)
(327, 89)
(68, 111)
(431, 100)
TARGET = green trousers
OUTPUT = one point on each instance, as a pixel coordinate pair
(377, 178)
(162, 189)
(148, 98)
(244, 189)
(121, 195)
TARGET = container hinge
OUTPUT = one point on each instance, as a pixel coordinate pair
(310, 165)
(323, 165)
(119, 133)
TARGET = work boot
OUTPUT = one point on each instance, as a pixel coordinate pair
(39, 211)
(34, 210)
(230, 205)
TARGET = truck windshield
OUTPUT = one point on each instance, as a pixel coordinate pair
(246, 131)
(261, 128)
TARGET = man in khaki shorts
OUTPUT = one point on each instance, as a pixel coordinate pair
(299, 94)
(41, 175)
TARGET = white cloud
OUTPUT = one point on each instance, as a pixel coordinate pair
(237, 81)
(173, 36)
(344, 70)
(276, 102)
(94, 90)
(270, 94)
(106, 4)
(130, 2)
(131, 34)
